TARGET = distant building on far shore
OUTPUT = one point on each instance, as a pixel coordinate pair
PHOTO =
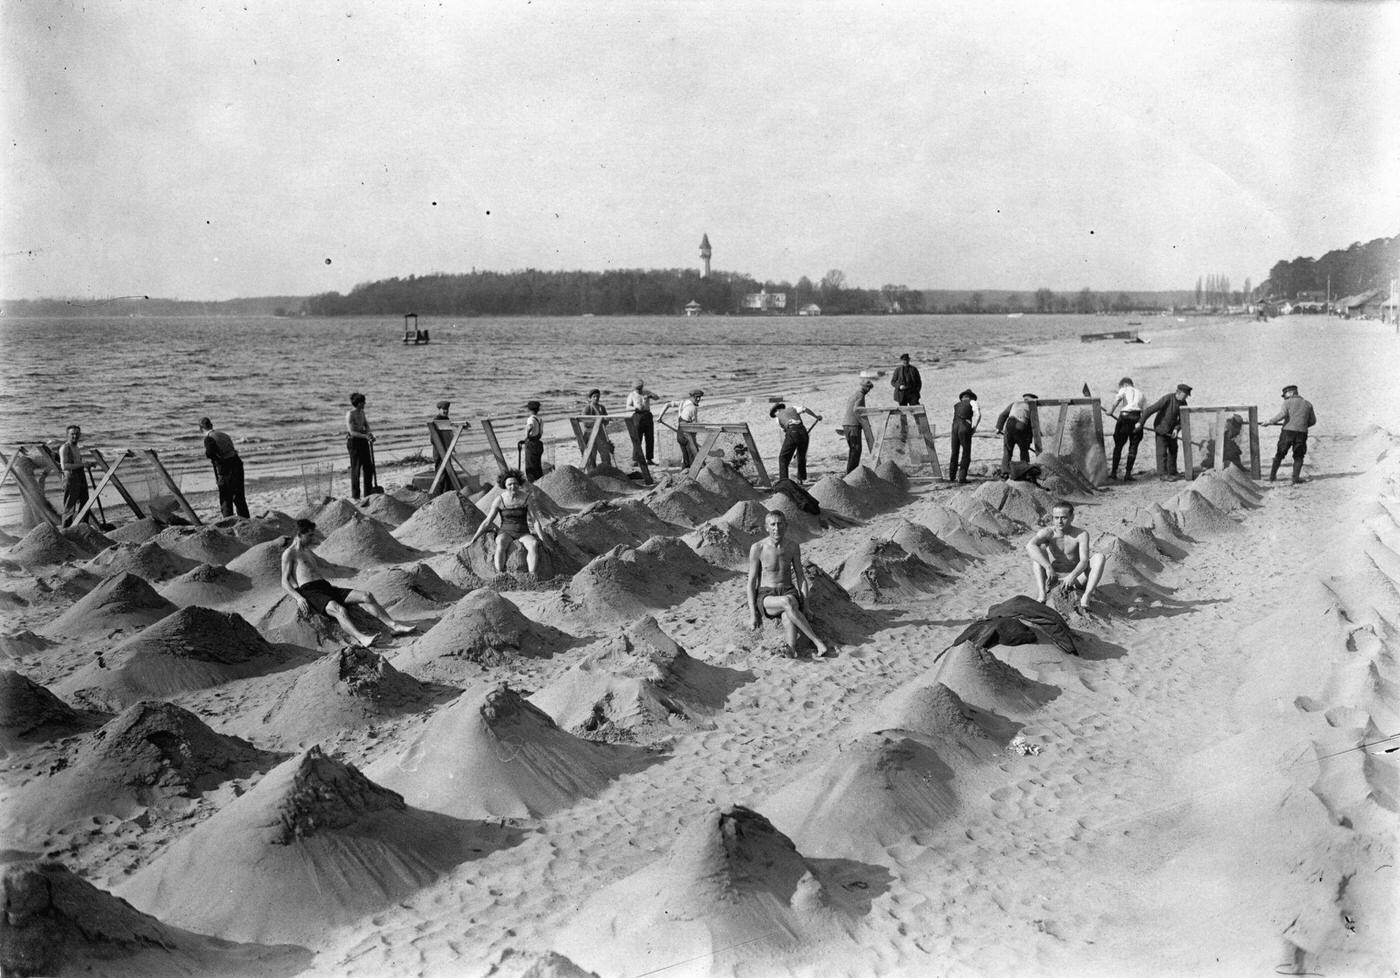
(765, 301)
(693, 308)
(810, 309)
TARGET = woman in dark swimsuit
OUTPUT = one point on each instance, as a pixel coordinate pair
(516, 507)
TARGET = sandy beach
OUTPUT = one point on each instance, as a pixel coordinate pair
(611, 773)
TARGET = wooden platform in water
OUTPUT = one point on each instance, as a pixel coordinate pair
(1128, 335)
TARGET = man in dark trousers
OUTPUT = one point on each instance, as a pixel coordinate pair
(850, 425)
(1296, 416)
(966, 416)
(228, 469)
(795, 437)
(1014, 425)
(906, 382)
(1167, 410)
(75, 474)
(1126, 412)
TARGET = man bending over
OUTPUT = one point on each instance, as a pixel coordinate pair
(777, 586)
(1060, 558)
(302, 578)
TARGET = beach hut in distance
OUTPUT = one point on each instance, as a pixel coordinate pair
(810, 309)
(411, 332)
(693, 308)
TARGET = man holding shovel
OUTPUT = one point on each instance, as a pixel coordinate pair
(796, 436)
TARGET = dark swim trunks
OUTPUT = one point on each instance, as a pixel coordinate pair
(776, 592)
(319, 593)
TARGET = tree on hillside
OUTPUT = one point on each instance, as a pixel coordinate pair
(1044, 300)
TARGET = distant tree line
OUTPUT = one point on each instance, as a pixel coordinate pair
(1351, 270)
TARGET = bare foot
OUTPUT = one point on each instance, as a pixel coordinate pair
(403, 629)
(366, 641)
(823, 650)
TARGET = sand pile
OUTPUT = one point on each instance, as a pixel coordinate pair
(365, 543)
(485, 628)
(881, 571)
(731, 880)
(30, 713)
(1198, 516)
(66, 585)
(332, 514)
(491, 754)
(722, 543)
(938, 715)
(569, 486)
(831, 609)
(1242, 483)
(747, 516)
(1065, 478)
(1165, 529)
(149, 561)
(207, 585)
(136, 531)
(343, 690)
(802, 525)
(878, 492)
(152, 755)
(725, 481)
(283, 623)
(44, 546)
(1129, 547)
(23, 642)
(552, 964)
(58, 924)
(88, 538)
(637, 679)
(262, 565)
(544, 502)
(259, 529)
(1140, 538)
(202, 544)
(605, 525)
(192, 648)
(448, 521)
(873, 792)
(314, 845)
(683, 501)
(626, 583)
(120, 603)
(838, 496)
(977, 512)
(982, 680)
(923, 543)
(1223, 494)
(387, 509)
(1019, 501)
(413, 590)
(950, 527)
(890, 471)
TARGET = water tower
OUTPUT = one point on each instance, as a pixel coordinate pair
(705, 255)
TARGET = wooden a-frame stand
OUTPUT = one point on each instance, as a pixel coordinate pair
(1064, 404)
(488, 428)
(1217, 431)
(712, 433)
(591, 434)
(445, 452)
(904, 412)
(39, 503)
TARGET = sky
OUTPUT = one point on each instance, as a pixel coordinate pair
(214, 150)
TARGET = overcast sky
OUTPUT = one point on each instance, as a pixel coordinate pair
(212, 150)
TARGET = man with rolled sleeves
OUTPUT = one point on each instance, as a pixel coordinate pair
(1014, 425)
(1167, 410)
(1296, 416)
(1126, 412)
(850, 425)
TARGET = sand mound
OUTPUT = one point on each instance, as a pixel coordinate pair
(937, 714)
(58, 924)
(1064, 477)
(802, 525)
(731, 880)
(387, 509)
(552, 964)
(625, 583)
(683, 501)
(119, 603)
(923, 543)
(605, 525)
(831, 609)
(349, 688)
(954, 530)
(890, 471)
(491, 754)
(332, 514)
(982, 680)
(149, 561)
(1120, 552)
(137, 531)
(284, 623)
(261, 564)
(725, 481)
(1019, 501)
(486, 628)
(881, 571)
(21, 643)
(29, 712)
(1165, 529)
(448, 521)
(365, 543)
(1242, 482)
(1140, 539)
(877, 492)
(837, 495)
(977, 512)
(412, 590)
(1222, 492)
(544, 502)
(69, 583)
(88, 539)
(722, 543)
(636, 679)
(569, 486)
(314, 845)
(746, 516)
(259, 529)
(207, 586)
(1197, 515)
(202, 544)
(873, 792)
(192, 648)
(152, 755)
(44, 546)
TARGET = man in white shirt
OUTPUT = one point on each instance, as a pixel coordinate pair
(795, 437)
(689, 414)
(642, 424)
(1127, 409)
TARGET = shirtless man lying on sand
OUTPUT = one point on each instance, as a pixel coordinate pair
(1060, 557)
(777, 586)
(302, 578)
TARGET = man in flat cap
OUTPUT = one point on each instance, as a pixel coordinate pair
(850, 424)
(640, 424)
(443, 423)
(1167, 410)
(1296, 416)
(967, 415)
(689, 414)
(1014, 425)
(533, 442)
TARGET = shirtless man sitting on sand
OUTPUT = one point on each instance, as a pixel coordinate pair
(777, 586)
(302, 578)
(1060, 557)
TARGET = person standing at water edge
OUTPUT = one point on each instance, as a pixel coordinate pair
(534, 443)
(1127, 412)
(1167, 410)
(967, 415)
(1014, 425)
(850, 425)
(75, 489)
(228, 469)
(906, 382)
(358, 442)
(689, 414)
(1296, 416)
(777, 585)
(303, 577)
(643, 424)
(795, 437)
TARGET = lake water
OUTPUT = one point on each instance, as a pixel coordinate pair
(280, 386)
